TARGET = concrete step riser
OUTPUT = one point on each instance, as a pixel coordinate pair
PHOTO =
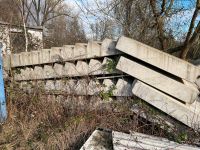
(158, 80)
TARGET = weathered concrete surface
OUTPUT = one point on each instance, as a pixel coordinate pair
(38, 73)
(108, 84)
(69, 69)
(167, 104)
(15, 61)
(82, 87)
(50, 85)
(99, 140)
(93, 49)
(159, 59)
(94, 87)
(67, 52)
(95, 67)
(82, 68)
(6, 62)
(45, 55)
(80, 51)
(35, 57)
(157, 80)
(58, 68)
(70, 86)
(25, 59)
(139, 141)
(55, 54)
(123, 88)
(108, 47)
(49, 72)
(60, 85)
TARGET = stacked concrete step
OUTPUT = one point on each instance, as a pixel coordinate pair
(162, 80)
(114, 86)
(91, 67)
(66, 53)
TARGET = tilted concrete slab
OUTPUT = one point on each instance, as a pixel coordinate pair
(80, 51)
(82, 68)
(93, 49)
(139, 141)
(158, 80)
(123, 88)
(167, 104)
(159, 59)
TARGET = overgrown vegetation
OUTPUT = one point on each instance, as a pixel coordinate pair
(42, 121)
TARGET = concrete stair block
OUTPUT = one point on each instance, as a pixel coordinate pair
(15, 60)
(108, 48)
(70, 69)
(67, 52)
(49, 72)
(70, 86)
(159, 59)
(82, 68)
(58, 68)
(35, 57)
(167, 104)
(82, 87)
(25, 59)
(6, 62)
(108, 84)
(50, 85)
(80, 51)
(45, 55)
(93, 49)
(60, 85)
(95, 67)
(55, 54)
(38, 73)
(158, 80)
(123, 88)
(94, 87)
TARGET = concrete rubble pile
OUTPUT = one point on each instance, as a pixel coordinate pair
(126, 68)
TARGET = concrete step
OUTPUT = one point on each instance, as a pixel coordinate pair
(159, 81)
(187, 115)
(157, 58)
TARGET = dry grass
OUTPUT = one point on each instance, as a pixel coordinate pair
(41, 121)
